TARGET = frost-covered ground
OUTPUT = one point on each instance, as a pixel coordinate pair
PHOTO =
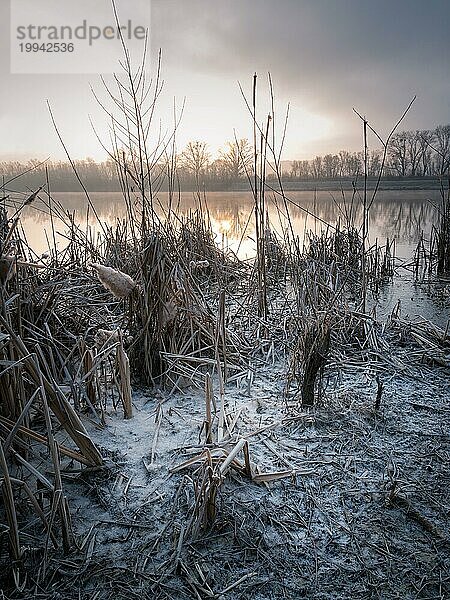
(364, 513)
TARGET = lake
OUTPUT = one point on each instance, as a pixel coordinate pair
(400, 215)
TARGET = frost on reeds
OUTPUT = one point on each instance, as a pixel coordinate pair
(119, 284)
(9, 264)
(198, 264)
(110, 337)
(169, 313)
(106, 336)
(7, 268)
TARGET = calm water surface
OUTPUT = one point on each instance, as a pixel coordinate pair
(394, 215)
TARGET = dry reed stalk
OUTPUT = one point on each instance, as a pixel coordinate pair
(149, 316)
(169, 313)
(59, 502)
(208, 401)
(9, 264)
(380, 387)
(43, 481)
(58, 403)
(220, 341)
(205, 487)
(215, 465)
(18, 422)
(443, 233)
(40, 513)
(10, 508)
(87, 362)
(226, 465)
(308, 358)
(41, 439)
(8, 267)
(123, 365)
(221, 422)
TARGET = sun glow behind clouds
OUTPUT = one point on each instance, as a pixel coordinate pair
(215, 111)
(308, 128)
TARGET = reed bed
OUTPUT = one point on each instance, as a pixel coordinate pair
(75, 329)
(346, 470)
(164, 309)
(442, 233)
(432, 255)
(217, 376)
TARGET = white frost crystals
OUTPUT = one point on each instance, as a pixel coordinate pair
(119, 284)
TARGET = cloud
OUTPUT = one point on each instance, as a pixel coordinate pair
(329, 54)
(325, 56)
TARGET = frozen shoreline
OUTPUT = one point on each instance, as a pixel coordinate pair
(364, 511)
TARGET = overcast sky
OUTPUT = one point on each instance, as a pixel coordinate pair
(325, 57)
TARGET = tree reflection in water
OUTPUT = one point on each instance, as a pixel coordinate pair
(402, 215)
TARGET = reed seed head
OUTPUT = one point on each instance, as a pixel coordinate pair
(119, 284)
(104, 336)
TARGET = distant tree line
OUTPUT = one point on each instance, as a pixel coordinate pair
(97, 176)
(420, 153)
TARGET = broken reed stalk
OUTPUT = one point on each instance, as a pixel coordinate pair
(221, 423)
(87, 362)
(58, 403)
(221, 373)
(37, 437)
(40, 513)
(260, 208)
(208, 478)
(208, 402)
(316, 345)
(365, 223)
(59, 501)
(123, 365)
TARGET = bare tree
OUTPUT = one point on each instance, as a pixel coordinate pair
(316, 167)
(218, 170)
(355, 164)
(196, 158)
(349, 164)
(398, 153)
(426, 141)
(344, 161)
(330, 165)
(442, 148)
(237, 157)
(374, 165)
(304, 169)
(413, 151)
(295, 168)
